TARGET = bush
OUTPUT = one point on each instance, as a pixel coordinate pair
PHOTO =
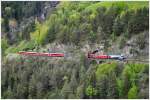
(40, 34)
(91, 91)
(105, 69)
(23, 46)
(132, 94)
(130, 75)
(120, 87)
(132, 70)
(12, 49)
(4, 45)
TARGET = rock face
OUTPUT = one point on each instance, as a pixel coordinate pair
(134, 47)
(138, 45)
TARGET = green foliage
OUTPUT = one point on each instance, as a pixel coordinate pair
(33, 77)
(118, 26)
(63, 36)
(130, 75)
(4, 45)
(25, 34)
(11, 50)
(26, 45)
(132, 70)
(74, 22)
(121, 4)
(90, 91)
(23, 46)
(120, 87)
(137, 22)
(18, 10)
(40, 34)
(112, 88)
(106, 80)
(70, 24)
(132, 94)
(101, 86)
(105, 69)
(80, 91)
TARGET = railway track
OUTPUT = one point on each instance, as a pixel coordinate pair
(99, 61)
(97, 58)
(137, 60)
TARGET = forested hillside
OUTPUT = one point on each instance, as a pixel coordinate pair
(34, 77)
(74, 28)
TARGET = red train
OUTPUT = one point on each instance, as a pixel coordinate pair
(116, 57)
(90, 55)
(42, 54)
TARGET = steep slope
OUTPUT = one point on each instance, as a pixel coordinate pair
(36, 77)
(75, 28)
(95, 22)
